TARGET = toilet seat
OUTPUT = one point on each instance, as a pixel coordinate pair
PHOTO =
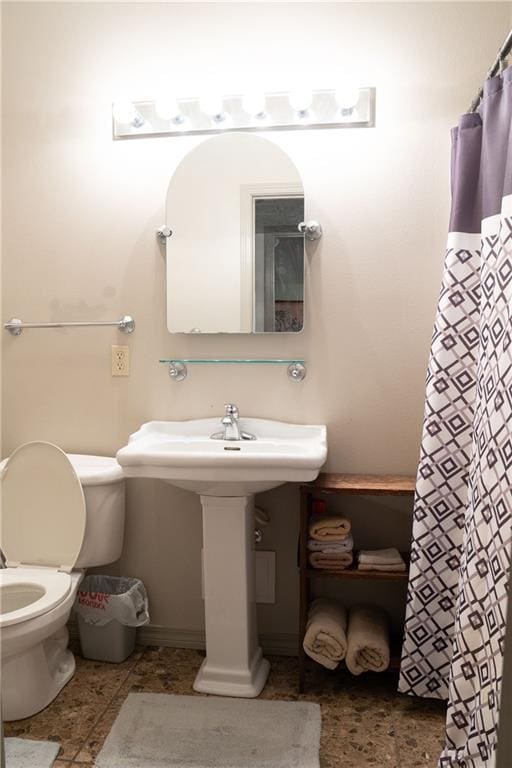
(42, 524)
(42, 517)
(56, 585)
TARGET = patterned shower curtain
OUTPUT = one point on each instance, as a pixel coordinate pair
(461, 553)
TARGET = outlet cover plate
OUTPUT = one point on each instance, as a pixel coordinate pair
(120, 359)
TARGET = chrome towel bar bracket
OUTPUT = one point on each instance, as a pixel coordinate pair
(15, 326)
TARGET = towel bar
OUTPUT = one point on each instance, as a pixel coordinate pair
(15, 326)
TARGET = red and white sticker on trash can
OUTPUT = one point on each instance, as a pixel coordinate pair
(98, 600)
(102, 599)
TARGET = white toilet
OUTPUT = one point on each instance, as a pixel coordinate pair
(59, 514)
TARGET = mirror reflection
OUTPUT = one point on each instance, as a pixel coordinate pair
(278, 264)
(235, 260)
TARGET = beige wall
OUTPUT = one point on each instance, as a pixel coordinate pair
(80, 214)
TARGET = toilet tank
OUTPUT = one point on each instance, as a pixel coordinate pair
(103, 484)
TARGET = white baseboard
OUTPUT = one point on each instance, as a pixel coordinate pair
(278, 644)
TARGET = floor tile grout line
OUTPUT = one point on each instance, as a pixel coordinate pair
(104, 710)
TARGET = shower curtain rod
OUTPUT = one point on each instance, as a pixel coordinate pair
(496, 67)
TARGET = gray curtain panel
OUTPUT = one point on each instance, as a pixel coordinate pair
(461, 552)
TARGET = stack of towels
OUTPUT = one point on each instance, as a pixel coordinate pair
(362, 639)
(330, 543)
(387, 560)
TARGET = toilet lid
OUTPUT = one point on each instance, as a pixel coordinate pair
(42, 516)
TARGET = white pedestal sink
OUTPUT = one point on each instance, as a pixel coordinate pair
(227, 474)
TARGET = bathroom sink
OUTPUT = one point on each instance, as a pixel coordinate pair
(182, 453)
(227, 473)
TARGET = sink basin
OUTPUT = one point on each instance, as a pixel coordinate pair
(227, 474)
(182, 453)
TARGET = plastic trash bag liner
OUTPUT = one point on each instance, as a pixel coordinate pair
(101, 599)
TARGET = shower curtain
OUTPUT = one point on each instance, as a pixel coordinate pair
(461, 552)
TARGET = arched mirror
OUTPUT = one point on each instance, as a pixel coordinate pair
(235, 258)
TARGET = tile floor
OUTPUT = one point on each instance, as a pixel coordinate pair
(364, 721)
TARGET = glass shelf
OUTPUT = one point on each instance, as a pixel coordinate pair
(234, 360)
(178, 365)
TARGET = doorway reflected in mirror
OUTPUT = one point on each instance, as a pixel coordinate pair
(279, 264)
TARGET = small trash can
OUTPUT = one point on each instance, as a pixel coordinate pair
(109, 609)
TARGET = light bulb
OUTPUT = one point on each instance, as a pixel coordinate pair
(124, 112)
(346, 96)
(300, 99)
(211, 104)
(166, 108)
(254, 103)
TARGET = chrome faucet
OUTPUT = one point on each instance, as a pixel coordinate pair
(231, 428)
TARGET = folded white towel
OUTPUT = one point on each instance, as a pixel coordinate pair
(367, 640)
(337, 561)
(398, 568)
(325, 640)
(331, 546)
(329, 527)
(389, 556)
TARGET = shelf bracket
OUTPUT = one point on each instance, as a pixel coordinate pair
(177, 371)
(297, 372)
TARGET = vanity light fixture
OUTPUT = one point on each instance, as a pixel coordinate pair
(347, 106)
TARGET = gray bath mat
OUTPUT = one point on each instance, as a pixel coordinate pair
(26, 753)
(155, 730)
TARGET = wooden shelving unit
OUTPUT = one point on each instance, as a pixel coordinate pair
(330, 483)
(353, 574)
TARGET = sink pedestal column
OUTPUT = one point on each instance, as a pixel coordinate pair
(234, 664)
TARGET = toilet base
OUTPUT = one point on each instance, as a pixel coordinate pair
(34, 677)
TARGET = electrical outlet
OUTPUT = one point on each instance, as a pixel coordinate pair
(120, 360)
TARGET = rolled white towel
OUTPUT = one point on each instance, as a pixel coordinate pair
(331, 547)
(367, 640)
(325, 640)
(389, 556)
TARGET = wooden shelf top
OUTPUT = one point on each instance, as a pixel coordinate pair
(372, 485)
(356, 575)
